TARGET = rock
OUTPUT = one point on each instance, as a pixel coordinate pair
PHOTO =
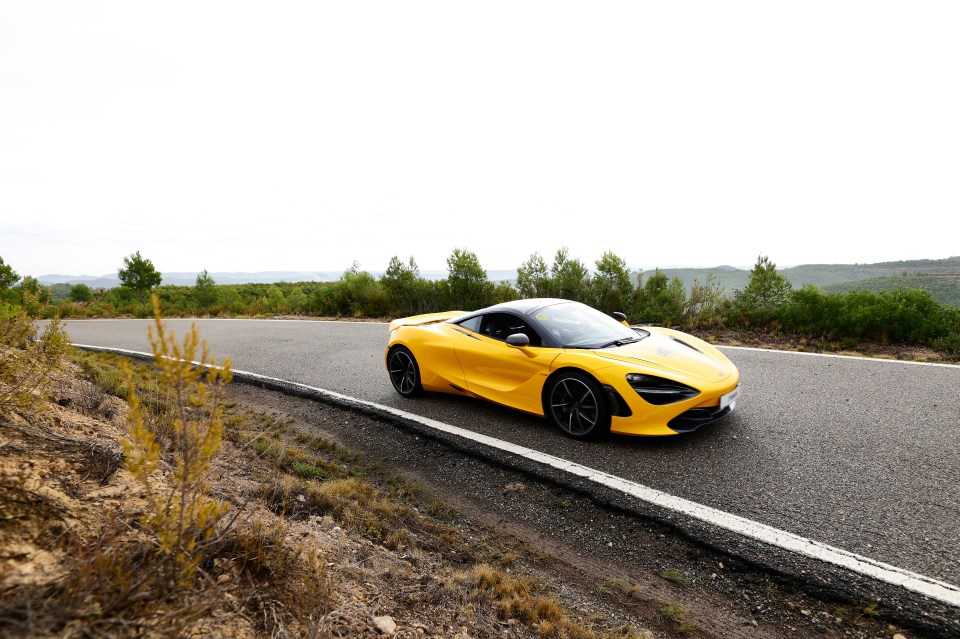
(899, 636)
(224, 578)
(385, 625)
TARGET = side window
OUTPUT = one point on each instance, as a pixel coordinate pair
(499, 326)
(472, 324)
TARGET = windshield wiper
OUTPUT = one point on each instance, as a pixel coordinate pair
(621, 342)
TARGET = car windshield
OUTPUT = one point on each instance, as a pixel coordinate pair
(576, 325)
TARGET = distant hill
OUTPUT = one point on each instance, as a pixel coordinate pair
(261, 277)
(190, 278)
(943, 287)
(822, 275)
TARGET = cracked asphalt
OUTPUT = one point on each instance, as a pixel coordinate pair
(859, 454)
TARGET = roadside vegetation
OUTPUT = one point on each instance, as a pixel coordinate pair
(767, 305)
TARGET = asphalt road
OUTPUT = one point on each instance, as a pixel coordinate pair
(860, 454)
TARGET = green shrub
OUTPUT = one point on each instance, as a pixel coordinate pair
(27, 360)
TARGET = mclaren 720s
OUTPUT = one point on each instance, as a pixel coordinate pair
(585, 371)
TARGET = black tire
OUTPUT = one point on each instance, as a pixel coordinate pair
(576, 404)
(404, 372)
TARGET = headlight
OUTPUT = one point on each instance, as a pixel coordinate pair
(659, 391)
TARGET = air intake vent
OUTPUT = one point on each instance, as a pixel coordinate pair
(680, 341)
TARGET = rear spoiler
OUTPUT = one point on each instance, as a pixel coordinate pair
(420, 320)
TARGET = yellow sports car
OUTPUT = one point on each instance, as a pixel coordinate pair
(585, 371)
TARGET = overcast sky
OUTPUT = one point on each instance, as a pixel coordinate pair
(239, 136)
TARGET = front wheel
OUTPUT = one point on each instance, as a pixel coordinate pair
(576, 403)
(404, 372)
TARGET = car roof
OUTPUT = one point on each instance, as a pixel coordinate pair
(527, 306)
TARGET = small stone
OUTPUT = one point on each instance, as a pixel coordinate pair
(899, 635)
(713, 575)
(720, 565)
(301, 498)
(805, 612)
(385, 625)
(609, 544)
(515, 487)
(224, 578)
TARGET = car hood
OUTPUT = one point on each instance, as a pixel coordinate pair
(677, 353)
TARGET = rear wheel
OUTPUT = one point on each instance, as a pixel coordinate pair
(404, 372)
(576, 403)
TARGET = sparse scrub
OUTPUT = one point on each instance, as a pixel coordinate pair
(858, 616)
(514, 597)
(676, 615)
(675, 576)
(26, 360)
(620, 587)
(181, 514)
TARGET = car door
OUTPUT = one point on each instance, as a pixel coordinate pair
(502, 373)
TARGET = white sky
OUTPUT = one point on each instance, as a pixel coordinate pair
(239, 136)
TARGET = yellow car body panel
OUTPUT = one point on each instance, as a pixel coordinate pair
(452, 358)
(423, 320)
(504, 374)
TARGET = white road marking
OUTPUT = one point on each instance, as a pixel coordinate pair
(928, 586)
(859, 357)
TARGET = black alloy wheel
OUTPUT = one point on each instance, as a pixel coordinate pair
(576, 403)
(404, 372)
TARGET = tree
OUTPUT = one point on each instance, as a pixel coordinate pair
(533, 277)
(467, 279)
(297, 301)
(33, 294)
(8, 277)
(401, 282)
(662, 300)
(204, 291)
(139, 275)
(571, 279)
(612, 285)
(356, 293)
(704, 303)
(765, 292)
(81, 293)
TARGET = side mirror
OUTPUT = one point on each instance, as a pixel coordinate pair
(519, 340)
(620, 317)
